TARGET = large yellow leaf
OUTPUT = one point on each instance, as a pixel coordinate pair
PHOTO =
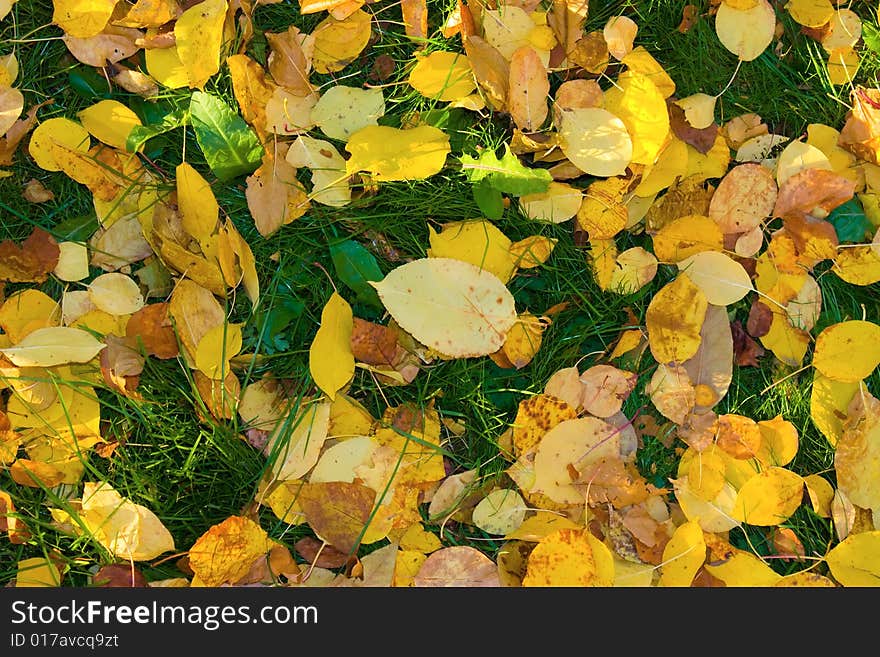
(674, 318)
(683, 555)
(596, 141)
(769, 498)
(198, 207)
(637, 101)
(52, 132)
(478, 242)
(857, 457)
(82, 18)
(855, 561)
(570, 557)
(721, 278)
(130, 531)
(848, 351)
(339, 42)
(449, 305)
(331, 362)
(392, 154)
(199, 37)
(745, 32)
(226, 552)
(53, 345)
(442, 75)
(109, 121)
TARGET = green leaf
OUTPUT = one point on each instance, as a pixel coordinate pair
(850, 222)
(355, 266)
(230, 146)
(489, 200)
(871, 36)
(141, 133)
(507, 175)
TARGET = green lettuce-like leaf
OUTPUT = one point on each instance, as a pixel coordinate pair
(230, 147)
(355, 266)
(507, 174)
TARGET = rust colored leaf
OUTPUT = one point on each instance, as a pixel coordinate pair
(338, 511)
(861, 132)
(529, 89)
(810, 189)
(9, 143)
(738, 435)
(373, 344)
(815, 239)
(151, 325)
(382, 69)
(32, 261)
(119, 575)
(760, 318)
(702, 139)
(415, 18)
(321, 554)
(690, 14)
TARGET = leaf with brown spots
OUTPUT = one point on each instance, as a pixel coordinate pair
(338, 511)
(32, 261)
(535, 417)
(738, 435)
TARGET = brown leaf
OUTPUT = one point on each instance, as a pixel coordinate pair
(382, 69)
(490, 68)
(815, 239)
(590, 52)
(459, 566)
(119, 575)
(787, 544)
(810, 189)
(151, 325)
(738, 435)
(9, 521)
(320, 554)
(37, 192)
(337, 511)
(702, 139)
(746, 351)
(415, 18)
(290, 60)
(220, 397)
(861, 132)
(9, 143)
(529, 89)
(274, 195)
(373, 344)
(32, 261)
(760, 318)
(690, 14)
(121, 364)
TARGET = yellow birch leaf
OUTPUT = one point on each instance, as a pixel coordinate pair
(569, 557)
(8, 68)
(392, 154)
(671, 165)
(713, 164)
(450, 306)
(532, 251)
(11, 105)
(109, 121)
(408, 564)
(746, 33)
(857, 458)
(788, 344)
(128, 530)
(442, 75)
(37, 572)
(416, 537)
(829, 401)
(27, 310)
(478, 242)
(634, 269)
(116, 294)
(848, 351)
(166, 67)
(699, 109)
(557, 205)
(341, 111)
(769, 498)
(687, 236)
(674, 318)
(855, 561)
(712, 515)
(821, 492)
(339, 42)
(810, 13)
(683, 555)
(779, 442)
(603, 261)
(150, 13)
(198, 207)
(226, 552)
(843, 64)
(637, 101)
(722, 279)
(329, 177)
(58, 130)
(859, 265)
(331, 362)
(73, 262)
(53, 345)
(535, 416)
(82, 18)
(542, 524)
(199, 38)
(216, 348)
(602, 213)
(501, 512)
(523, 340)
(639, 60)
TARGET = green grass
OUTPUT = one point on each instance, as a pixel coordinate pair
(196, 472)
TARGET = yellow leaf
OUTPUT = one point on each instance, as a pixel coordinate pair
(523, 340)
(329, 177)
(458, 566)
(442, 75)
(746, 33)
(855, 561)
(602, 213)
(639, 60)
(674, 318)
(529, 89)
(859, 265)
(535, 416)
(408, 564)
(8, 67)
(128, 530)
(116, 294)
(603, 261)
(109, 121)
(596, 141)
(194, 311)
(857, 457)
(225, 553)
(796, 157)
(787, 343)
(199, 38)
(699, 109)
(683, 555)
(150, 13)
(53, 131)
(27, 310)
(501, 512)
(339, 42)
(543, 523)
(671, 165)
(450, 306)
(810, 13)
(73, 262)
(216, 347)
(744, 569)
(829, 401)
(713, 164)
(619, 33)
(331, 362)
(392, 154)
(37, 572)
(53, 345)
(637, 101)
(198, 207)
(805, 578)
(821, 492)
(570, 557)
(769, 498)
(722, 279)
(478, 242)
(712, 515)
(295, 445)
(11, 104)
(848, 351)
(558, 204)
(634, 269)
(779, 442)
(341, 111)
(82, 18)
(687, 236)
(416, 537)
(166, 67)
(532, 251)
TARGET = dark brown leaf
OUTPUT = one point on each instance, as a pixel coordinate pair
(746, 351)
(338, 511)
(760, 319)
(690, 14)
(373, 344)
(320, 554)
(701, 139)
(118, 575)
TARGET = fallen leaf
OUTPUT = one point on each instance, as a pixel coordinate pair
(225, 553)
(569, 557)
(457, 566)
